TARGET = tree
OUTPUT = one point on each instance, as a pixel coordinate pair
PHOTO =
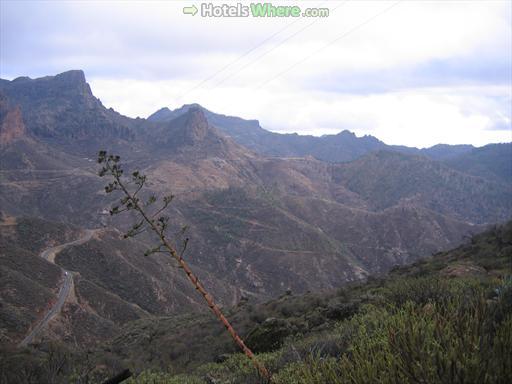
(155, 220)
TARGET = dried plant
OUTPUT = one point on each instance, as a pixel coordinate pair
(153, 218)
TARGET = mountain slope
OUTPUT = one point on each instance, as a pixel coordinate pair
(297, 334)
(386, 178)
(252, 213)
(314, 336)
(113, 283)
(258, 225)
(491, 161)
(29, 284)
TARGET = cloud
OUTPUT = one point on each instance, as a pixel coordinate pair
(422, 73)
(418, 117)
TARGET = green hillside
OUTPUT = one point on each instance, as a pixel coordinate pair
(447, 318)
(444, 319)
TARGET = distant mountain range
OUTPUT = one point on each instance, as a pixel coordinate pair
(267, 212)
(491, 160)
(342, 147)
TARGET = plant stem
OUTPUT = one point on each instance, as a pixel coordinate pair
(194, 280)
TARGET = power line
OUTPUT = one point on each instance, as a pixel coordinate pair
(212, 76)
(252, 62)
(345, 34)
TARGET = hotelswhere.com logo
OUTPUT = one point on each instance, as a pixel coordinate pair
(254, 10)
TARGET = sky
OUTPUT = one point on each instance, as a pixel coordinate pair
(410, 72)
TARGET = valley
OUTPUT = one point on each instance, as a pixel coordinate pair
(268, 216)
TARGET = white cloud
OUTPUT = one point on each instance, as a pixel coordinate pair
(417, 117)
(422, 73)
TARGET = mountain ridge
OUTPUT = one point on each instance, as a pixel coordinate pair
(326, 147)
(70, 90)
(344, 146)
(259, 224)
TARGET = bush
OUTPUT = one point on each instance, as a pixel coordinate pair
(237, 369)
(269, 335)
(150, 377)
(453, 338)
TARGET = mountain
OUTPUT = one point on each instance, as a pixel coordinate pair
(190, 134)
(260, 223)
(20, 149)
(445, 151)
(61, 108)
(491, 161)
(386, 178)
(240, 129)
(342, 147)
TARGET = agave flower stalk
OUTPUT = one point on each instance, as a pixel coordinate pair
(158, 223)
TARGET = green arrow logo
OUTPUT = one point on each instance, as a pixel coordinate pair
(190, 10)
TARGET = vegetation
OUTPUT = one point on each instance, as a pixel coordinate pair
(54, 363)
(440, 188)
(433, 322)
(492, 160)
(447, 318)
(27, 282)
(157, 222)
(290, 224)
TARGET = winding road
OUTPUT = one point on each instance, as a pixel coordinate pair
(49, 254)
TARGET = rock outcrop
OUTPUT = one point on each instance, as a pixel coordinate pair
(11, 123)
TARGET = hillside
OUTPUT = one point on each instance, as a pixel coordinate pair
(385, 178)
(491, 161)
(112, 282)
(28, 283)
(430, 312)
(331, 337)
(259, 225)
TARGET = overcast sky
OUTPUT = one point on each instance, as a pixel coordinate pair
(414, 72)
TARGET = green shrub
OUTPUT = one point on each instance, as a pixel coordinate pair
(150, 377)
(237, 369)
(448, 338)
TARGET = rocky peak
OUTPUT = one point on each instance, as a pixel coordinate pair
(196, 125)
(346, 133)
(191, 106)
(166, 114)
(187, 129)
(160, 115)
(73, 75)
(163, 114)
(192, 134)
(67, 85)
(63, 108)
(73, 80)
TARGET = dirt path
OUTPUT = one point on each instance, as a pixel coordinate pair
(49, 254)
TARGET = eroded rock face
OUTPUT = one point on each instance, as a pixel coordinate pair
(62, 107)
(197, 125)
(188, 129)
(11, 123)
